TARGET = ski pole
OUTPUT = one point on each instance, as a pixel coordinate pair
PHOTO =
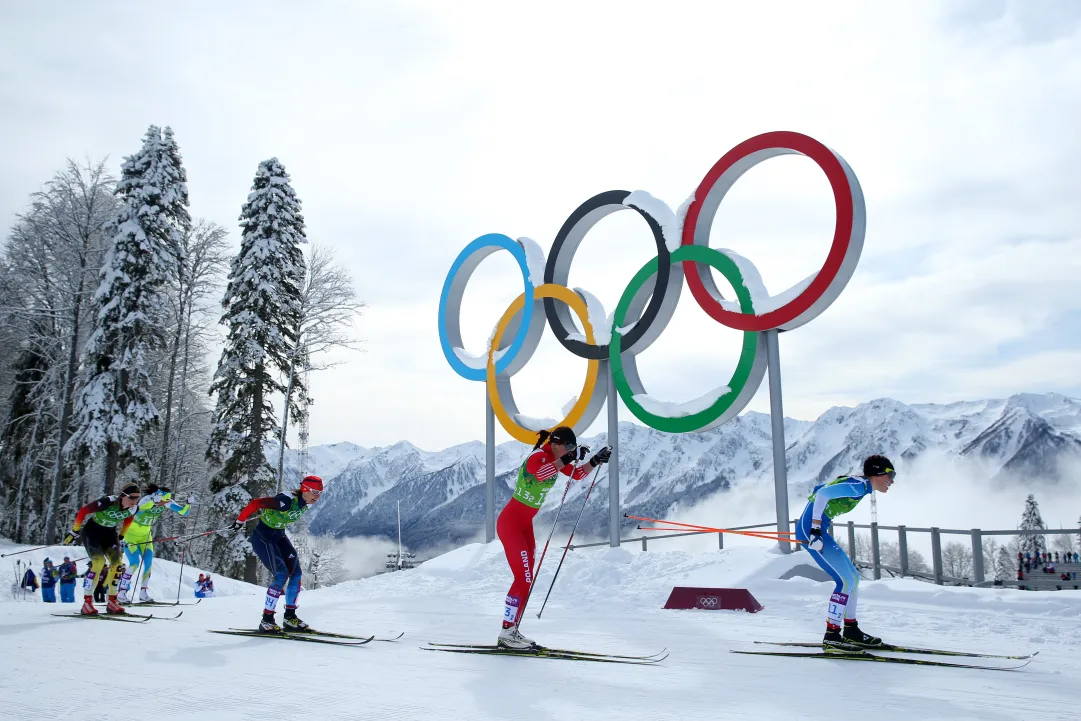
(693, 525)
(182, 539)
(536, 570)
(707, 529)
(771, 536)
(596, 474)
(29, 550)
(183, 553)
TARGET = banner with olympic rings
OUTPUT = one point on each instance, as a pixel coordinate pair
(649, 301)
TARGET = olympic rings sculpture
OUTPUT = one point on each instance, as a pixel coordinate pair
(650, 299)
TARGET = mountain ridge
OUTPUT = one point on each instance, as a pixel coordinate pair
(442, 492)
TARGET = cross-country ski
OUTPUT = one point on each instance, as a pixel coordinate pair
(889, 647)
(874, 657)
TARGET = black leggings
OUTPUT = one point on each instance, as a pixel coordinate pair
(102, 544)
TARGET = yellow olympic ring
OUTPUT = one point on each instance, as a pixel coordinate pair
(575, 303)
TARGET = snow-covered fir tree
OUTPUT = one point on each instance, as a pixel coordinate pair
(115, 408)
(1032, 521)
(261, 310)
(1005, 565)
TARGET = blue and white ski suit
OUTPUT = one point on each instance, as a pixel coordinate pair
(826, 501)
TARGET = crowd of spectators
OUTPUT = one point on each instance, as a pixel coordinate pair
(1044, 563)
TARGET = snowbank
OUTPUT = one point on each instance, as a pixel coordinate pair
(605, 600)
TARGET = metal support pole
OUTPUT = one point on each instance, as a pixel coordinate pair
(776, 414)
(977, 555)
(876, 558)
(643, 543)
(613, 462)
(936, 554)
(720, 541)
(902, 547)
(852, 541)
(489, 468)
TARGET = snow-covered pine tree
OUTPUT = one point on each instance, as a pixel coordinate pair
(114, 408)
(261, 310)
(1032, 521)
(1005, 565)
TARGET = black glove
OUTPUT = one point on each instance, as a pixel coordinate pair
(815, 541)
(237, 525)
(567, 458)
(583, 451)
(71, 538)
(600, 456)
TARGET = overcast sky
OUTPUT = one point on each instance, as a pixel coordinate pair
(410, 128)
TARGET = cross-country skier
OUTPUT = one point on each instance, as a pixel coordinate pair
(554, 453)
(97, 522)
(826, 502)
(138, 534)
(275, 550)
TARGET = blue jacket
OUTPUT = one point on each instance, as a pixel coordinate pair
(68, 572)
(48, 576)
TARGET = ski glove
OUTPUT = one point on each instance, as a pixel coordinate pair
(567, 458)
(600, 456)
(237, 525)
(71, 538)
(815, 543)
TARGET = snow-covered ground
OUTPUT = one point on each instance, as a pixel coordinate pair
(605, 600)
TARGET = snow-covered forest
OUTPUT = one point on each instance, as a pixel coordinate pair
(137, 343)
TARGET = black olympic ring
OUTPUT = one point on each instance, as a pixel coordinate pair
(669, 279)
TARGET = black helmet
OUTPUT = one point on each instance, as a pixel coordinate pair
(878, 466)
(564, 436)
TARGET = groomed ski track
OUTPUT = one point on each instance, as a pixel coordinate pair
(607, 600)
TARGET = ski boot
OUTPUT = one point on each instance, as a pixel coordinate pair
(144, 596)
(513, 639)
(88, 607)
(294, 624)
(122, 597)
(268, 625)
(853, 634)
(113, 606)
(834, 642)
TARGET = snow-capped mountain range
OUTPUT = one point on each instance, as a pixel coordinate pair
(442, 493)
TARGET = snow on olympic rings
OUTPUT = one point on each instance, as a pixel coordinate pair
(650, 299)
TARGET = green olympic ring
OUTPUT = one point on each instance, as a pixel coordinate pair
(730, 399)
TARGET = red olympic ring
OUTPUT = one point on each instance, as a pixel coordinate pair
(844, 251)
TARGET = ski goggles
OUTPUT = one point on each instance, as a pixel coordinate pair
(891, 473)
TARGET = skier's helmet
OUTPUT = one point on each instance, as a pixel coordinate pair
(312, 484)
(131, 490)
(878, 466)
